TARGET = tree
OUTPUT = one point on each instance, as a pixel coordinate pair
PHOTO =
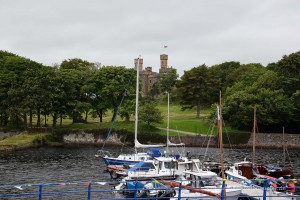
(296, 101)
(273, 107)
(196, 86)
(149, 113)
(223, 71)
(257, 86)
(20, 98)
(244, 76)
(155, 90)
(288, 69)
(111, 84)
(12, 68)
(168, 81)
(93, 88)
(127, 109)
(81, 71)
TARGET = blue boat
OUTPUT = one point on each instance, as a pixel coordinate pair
(131, 159)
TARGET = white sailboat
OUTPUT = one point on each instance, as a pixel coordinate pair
(130, 159)
(169, 143)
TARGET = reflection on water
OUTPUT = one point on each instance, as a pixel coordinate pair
(79, 164)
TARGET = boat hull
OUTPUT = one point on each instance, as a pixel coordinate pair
(115, 161)
(277, 174)
(186, 194)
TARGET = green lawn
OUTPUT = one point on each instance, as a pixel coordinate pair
(27, 138)
(179, 121)
(193, 125)
(178, 114)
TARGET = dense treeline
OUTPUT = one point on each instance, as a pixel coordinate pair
(73, 89)
(76, 88)
(274, 90)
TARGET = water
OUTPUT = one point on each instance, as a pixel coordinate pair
(79, 164)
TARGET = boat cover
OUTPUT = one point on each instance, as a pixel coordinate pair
(155, 152)
(141, 166)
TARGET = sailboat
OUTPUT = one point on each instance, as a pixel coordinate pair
(169, 143)
(244, 171)
(275, 171)
(250, 173)
(204, 184)
(131, 159)
(267, 169)
(281, 177)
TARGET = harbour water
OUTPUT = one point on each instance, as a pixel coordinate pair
(79, 164)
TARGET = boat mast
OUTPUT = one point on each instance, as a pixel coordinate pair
(136, 103)
(168, 123)
(254, 136)
(221, 143)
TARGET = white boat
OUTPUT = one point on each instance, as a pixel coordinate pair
(242, 172)
(159, 168)
(202, 185)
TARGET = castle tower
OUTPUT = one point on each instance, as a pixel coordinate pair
(140, 64)
(164, 64)
(163, 61)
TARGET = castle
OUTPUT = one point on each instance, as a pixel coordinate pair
(147, 76)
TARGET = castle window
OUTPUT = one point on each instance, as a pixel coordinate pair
(149, 81)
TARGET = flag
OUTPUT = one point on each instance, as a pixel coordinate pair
(165, 46)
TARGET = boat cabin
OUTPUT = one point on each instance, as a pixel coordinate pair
(244, 169)
(159, 167)
(202, 178)
(193, 165)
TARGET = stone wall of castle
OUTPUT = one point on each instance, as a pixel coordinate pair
(147, 76)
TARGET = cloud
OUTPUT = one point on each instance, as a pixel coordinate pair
(115, 32)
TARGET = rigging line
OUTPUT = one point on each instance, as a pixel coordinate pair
(289, 158)
(228, 138)
(119, 107)
(210, 136)
(180, 141)
(124, 143)
(260, 144)
(208, 133)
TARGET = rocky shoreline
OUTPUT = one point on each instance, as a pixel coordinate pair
(269, 140)
(266, 140)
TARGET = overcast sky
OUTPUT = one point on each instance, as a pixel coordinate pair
(114, 32)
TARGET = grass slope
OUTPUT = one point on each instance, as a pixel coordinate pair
(26, 138)
(179, 121)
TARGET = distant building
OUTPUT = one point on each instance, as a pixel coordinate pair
(147, 76)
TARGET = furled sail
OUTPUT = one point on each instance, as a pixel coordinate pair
(139, 145)
(169, 143)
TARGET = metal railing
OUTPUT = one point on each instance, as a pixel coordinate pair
(106, 190)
